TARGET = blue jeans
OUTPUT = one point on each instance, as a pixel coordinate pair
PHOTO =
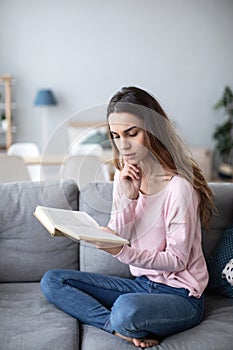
(135, 308)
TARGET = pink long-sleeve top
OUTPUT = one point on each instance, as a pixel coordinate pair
(164, 231)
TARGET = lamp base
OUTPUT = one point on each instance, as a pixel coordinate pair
(44, 122)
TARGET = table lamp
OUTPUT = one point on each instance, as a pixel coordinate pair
(45, 99)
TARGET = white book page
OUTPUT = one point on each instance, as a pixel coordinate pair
(67, 217)
(91, 234)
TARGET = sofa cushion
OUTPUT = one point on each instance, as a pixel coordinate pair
(96, 200)
(29, 322)
(213, 333)
(217, 261)
(228, 272)
(26, 248)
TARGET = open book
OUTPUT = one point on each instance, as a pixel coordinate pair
(76, 225)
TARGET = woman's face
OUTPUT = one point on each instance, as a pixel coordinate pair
(129, 136)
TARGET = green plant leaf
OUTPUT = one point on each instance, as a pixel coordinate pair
(223, 133)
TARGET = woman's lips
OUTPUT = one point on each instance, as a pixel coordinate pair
(128, 156)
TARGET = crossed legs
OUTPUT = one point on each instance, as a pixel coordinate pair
(128, 308)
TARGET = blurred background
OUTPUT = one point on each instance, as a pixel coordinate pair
(83, 51)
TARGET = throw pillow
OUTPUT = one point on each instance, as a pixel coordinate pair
(218, 260)
(228, 272)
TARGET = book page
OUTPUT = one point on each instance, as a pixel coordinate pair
(90, 234)
(65, 217)
(75, 225)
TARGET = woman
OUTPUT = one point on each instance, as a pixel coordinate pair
(160, 201)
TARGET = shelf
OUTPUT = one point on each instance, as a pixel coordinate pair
(3, 105)
(6, 105)
(6, 77)
(13, 129)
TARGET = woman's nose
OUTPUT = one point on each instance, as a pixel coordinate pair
(125, 144)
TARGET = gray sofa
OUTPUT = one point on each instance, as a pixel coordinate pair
(28, 321)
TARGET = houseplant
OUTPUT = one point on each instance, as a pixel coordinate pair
(223, 134)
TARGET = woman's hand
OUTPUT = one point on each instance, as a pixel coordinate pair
(130, 180)
(112, 248)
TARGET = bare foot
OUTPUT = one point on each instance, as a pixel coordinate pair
(143, 343)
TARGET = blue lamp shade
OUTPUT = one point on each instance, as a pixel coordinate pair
(45, 98)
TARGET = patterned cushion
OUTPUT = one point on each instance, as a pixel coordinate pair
(217, 262)
(228, 272)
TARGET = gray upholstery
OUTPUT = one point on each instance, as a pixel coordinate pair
(223, 193)
(26, 248)
(214, 333)
(96, 200)
(28, 321)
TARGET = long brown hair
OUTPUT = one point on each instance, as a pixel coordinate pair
(163, 142)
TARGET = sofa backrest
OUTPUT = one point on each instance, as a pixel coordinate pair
(96, 200)
(223, 193)
(27, 250)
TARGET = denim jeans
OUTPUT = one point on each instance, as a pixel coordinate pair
(135, 308)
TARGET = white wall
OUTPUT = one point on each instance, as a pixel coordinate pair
(85, 50)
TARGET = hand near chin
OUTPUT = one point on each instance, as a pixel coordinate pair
(130, 180)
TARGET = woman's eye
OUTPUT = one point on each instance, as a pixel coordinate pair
(134, 134)
(115, 136)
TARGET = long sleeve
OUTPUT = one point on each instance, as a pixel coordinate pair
(180, 216)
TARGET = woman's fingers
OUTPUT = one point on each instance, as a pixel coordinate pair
(130, 180)
(131, 171)
(109, 230)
